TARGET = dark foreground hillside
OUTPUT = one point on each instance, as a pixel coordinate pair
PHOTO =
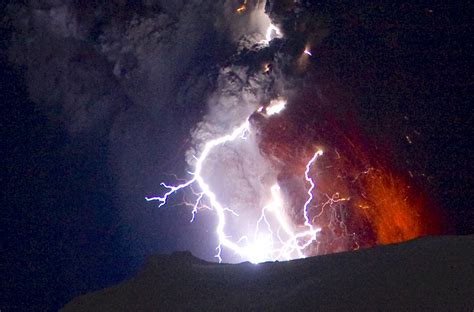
(427, 274)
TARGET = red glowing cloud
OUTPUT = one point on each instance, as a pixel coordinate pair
(360, 200)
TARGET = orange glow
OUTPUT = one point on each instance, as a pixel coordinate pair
(242, 8)
(360, 201)
(394, 215)
(266, 68)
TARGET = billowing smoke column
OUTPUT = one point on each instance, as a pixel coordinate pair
(275, 159)
(284, 179)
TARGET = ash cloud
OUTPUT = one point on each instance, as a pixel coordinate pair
(137, 78)
(153, 81)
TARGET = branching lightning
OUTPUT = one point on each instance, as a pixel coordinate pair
(273, 235)
(278, 240)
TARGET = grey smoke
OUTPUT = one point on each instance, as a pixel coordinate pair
(139, 78)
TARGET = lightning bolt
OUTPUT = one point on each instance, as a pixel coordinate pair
(265, 245)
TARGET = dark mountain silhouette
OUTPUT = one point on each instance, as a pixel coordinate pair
(426, 274)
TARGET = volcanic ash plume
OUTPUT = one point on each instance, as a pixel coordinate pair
(284, 172)
(284, 178)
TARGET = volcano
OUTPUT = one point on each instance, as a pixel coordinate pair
(425, 274)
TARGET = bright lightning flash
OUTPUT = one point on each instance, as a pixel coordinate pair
(272, 32)
(275, 107)
(279, 240)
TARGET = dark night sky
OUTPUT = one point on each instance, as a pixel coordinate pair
(61, 233)
(406, 67)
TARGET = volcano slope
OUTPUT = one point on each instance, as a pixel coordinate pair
(426, 274)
